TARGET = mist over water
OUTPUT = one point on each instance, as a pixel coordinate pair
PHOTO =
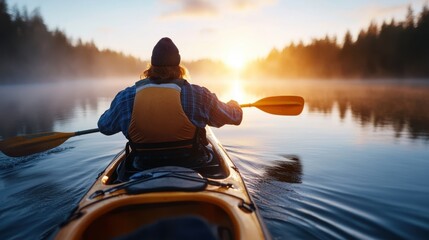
(353, 165)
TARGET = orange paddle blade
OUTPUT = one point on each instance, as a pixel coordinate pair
(279, 105)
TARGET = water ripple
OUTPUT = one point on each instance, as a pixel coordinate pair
(318, 207)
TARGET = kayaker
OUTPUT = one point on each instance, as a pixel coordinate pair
(163, 116)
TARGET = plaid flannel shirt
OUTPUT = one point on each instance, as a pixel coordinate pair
(200, 105)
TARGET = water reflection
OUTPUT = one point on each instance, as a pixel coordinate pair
(288, 170)
(373, 188)
(237, 92)
(380, 104)
(35, 108)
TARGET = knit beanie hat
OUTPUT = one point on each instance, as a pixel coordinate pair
(165, 53)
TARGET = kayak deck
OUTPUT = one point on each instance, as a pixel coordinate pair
(166, 198)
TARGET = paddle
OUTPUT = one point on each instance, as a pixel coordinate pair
(29, 144)
(279, 105)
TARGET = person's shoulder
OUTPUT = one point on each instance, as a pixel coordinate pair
(196, 87)
(128, 89)
(127, 92)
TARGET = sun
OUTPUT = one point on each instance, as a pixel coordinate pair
(235, 60)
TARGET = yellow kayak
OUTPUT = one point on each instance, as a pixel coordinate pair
(168, 203)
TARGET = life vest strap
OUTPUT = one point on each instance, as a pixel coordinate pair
(191, 144)
(162, 146)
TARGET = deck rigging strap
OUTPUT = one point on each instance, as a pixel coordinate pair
(175, 174)
(199, 137)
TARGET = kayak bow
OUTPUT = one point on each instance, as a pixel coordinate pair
(212, 203)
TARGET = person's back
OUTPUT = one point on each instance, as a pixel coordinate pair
(164, 117)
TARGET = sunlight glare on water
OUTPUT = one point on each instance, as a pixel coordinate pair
(235, 91)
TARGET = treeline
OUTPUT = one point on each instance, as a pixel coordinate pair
(392, 50)
(395, 49)
(29, 51)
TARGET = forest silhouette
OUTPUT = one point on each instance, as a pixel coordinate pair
(392, 50)
(29, 51)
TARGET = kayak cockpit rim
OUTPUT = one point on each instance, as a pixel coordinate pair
(108, 177)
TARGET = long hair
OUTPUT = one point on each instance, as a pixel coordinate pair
(165, 73)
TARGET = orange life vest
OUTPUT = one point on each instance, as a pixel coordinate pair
(158, 120)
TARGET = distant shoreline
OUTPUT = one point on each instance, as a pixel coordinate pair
(395, 50)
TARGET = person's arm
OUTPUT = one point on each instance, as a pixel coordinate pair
(203, 107)
(117, 117)
(221, 113)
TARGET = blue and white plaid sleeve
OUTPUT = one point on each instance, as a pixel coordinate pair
(203, 107)
(117, 118)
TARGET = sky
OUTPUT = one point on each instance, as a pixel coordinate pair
(234, 31)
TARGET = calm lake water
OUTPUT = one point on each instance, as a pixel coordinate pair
(353, 165)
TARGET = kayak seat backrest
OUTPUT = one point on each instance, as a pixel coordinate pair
(213, 169)
(169, 178)
(179, 228)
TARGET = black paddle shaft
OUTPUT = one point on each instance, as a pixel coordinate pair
(94, 130)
